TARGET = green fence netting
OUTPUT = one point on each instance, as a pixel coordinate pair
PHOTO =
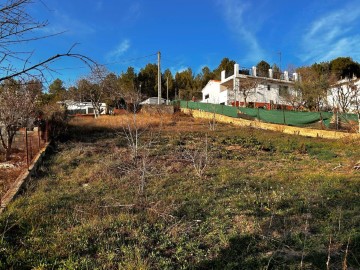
(208, 107)
(290, 118)
(283, 117)
(347, 117)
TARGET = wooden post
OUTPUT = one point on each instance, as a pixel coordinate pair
(321, 121)
(27, 148)
(30, 148)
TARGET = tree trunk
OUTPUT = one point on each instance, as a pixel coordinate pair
(8, 145)
(7, 142)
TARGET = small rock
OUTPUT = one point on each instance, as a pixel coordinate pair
(6, 166)
(86, 185)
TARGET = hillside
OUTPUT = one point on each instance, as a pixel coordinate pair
(186, 197)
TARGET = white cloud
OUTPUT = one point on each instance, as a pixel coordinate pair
(333, 35)
(234, 12)
(99, 5)
(120, 49)
(133, 12)
(64, 23)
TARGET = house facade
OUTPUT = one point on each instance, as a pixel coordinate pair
(153, 101)
(265, 92)
(345, 95)
(77, 107)
(214, 92)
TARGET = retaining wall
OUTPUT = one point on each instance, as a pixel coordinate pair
(274, 127)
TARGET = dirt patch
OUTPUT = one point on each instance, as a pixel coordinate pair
(8, 176)
(10, 170)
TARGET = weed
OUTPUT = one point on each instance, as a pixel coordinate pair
(265, 201)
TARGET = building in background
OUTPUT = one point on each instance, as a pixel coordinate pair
(266, 92)
(77, 107)
(344, 96)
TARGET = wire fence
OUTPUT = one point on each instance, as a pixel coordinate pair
(28, 143)
(25, 147)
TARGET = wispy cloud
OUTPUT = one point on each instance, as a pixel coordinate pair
(234, 12)
(133, 12)
(333, 35)
(120, 49)
(99, 5)
(64, 23)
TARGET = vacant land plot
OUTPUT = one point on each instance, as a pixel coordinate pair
(166, 192)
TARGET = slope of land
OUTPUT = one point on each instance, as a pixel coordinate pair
(186, 197)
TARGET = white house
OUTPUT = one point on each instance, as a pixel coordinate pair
(77, 107)
(153, 101)
(268, 92)
(345, 95)
(214, 92)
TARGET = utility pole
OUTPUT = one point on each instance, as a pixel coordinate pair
(159, 79)
(167, 90)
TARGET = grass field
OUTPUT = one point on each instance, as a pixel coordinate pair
(183, 196)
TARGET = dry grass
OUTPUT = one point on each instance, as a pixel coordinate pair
(121, 121)
(267, 199)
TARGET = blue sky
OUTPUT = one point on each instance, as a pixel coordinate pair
(197, 33)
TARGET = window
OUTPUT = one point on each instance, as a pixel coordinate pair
(207, 96)
(283, 90)
(268, 87)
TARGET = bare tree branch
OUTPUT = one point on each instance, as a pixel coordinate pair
(17, 26)
(88, 61)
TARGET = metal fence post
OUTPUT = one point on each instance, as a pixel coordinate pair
(284, 116)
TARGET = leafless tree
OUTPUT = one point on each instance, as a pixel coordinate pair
(314, 86)
(199, 155)
(17, 26)
(132, 129)
(346, 95)
(96, 87)
(293, 97)
(247, 87)
(140, 145)
(17, 103)
(357, 107)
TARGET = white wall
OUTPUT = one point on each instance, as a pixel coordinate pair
(213, 92)
(352, 97)
(263, 94)
(216, 92)
(73, 105)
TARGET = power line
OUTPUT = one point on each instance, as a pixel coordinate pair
(111, 63)
(129, 60)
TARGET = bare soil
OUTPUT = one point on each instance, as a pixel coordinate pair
(10, 170)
